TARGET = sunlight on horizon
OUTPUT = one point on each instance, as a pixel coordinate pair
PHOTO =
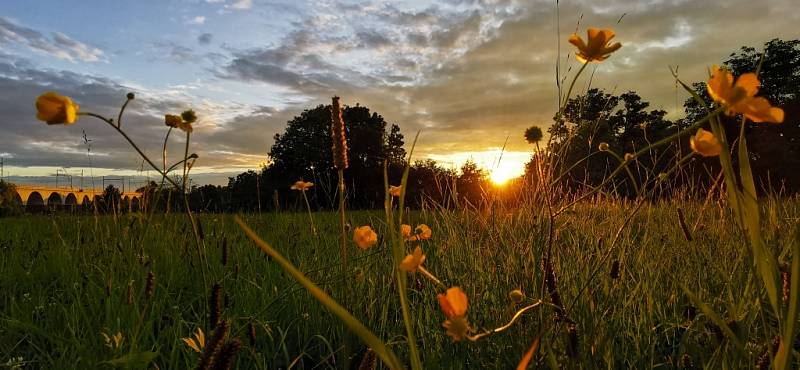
(500, 165)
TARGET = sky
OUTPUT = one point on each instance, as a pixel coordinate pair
(470, 75)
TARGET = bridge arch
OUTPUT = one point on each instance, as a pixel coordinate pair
(55, 199)
(18, 199)
(34, 201)
(71, 201)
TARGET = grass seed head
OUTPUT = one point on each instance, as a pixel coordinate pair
(227, 355)
(214, 306)
(213, 347)
(338, 135)
(150, 285)
(251, 333)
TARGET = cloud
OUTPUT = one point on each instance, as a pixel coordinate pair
(198, 20)
(467, 73)
(205, 38)
(31, 143)
(58, 45)
(242, 4)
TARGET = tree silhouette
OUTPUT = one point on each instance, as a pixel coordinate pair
(624, 123)
(774, 148)
(303, 151)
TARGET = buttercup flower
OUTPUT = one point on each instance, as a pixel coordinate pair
(172, 120)
(395, 190)
(454, 303)
(454, 306)
(413, 261)
(56, 109)
(302, 186)
(178, 122)
(365, 237)
(516, 296)
(598, 48)
(423, 232)
(603, 147)
(406, 231)
(739, 97)
(704, 143)
(198, 344)
(113, 341)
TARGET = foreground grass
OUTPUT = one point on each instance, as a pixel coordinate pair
(64, 280)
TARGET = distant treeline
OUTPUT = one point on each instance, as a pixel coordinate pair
(624, 122)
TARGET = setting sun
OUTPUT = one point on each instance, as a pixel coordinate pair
(501, 175)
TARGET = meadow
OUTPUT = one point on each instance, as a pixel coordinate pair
(629, 265)
(68, 280)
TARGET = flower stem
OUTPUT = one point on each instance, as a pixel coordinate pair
(310, 216)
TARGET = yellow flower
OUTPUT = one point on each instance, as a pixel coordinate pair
(457, 327)
(413, 261)
(516, 296)
(629, 157)
(739, 97)
(454, 306)
(704, 143)
(406, 231)
(395, 190)
(302, 186)
(454, 303)
(56, 109)
(598, 48)
(114, 341)
(423, 232)
(197, 345)
(365, 237)
(174, 121)
(603, 147)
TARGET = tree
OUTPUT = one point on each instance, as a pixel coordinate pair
(623, 122)
(9, 202)
(472, 183)
(774, 148)
(111, 198)
(303, 151)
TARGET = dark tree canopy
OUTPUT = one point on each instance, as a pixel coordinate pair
(624, 122)
(774, 148)
(303, 151)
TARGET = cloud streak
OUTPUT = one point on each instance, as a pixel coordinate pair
(58, 44)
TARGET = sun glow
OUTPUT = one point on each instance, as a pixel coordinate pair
(500, 175)
(501, 165)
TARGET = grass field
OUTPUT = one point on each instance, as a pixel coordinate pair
(64, 280)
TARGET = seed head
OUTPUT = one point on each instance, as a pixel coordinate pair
(214, 305)
(150, 285)
(338, 135)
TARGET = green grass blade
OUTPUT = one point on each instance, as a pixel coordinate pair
(765, 261)
(785, 350)
(715, 318)
(370, 339)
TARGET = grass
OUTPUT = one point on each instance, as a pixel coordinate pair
(56, 271)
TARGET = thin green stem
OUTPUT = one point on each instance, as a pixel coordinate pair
(136, 147)
(657, 144)
(310, 217)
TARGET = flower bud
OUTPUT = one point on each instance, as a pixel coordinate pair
(603, 147)
(130, 96)
(629, 157)
(516, 296)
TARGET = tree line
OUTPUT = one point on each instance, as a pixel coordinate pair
(624, 122)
